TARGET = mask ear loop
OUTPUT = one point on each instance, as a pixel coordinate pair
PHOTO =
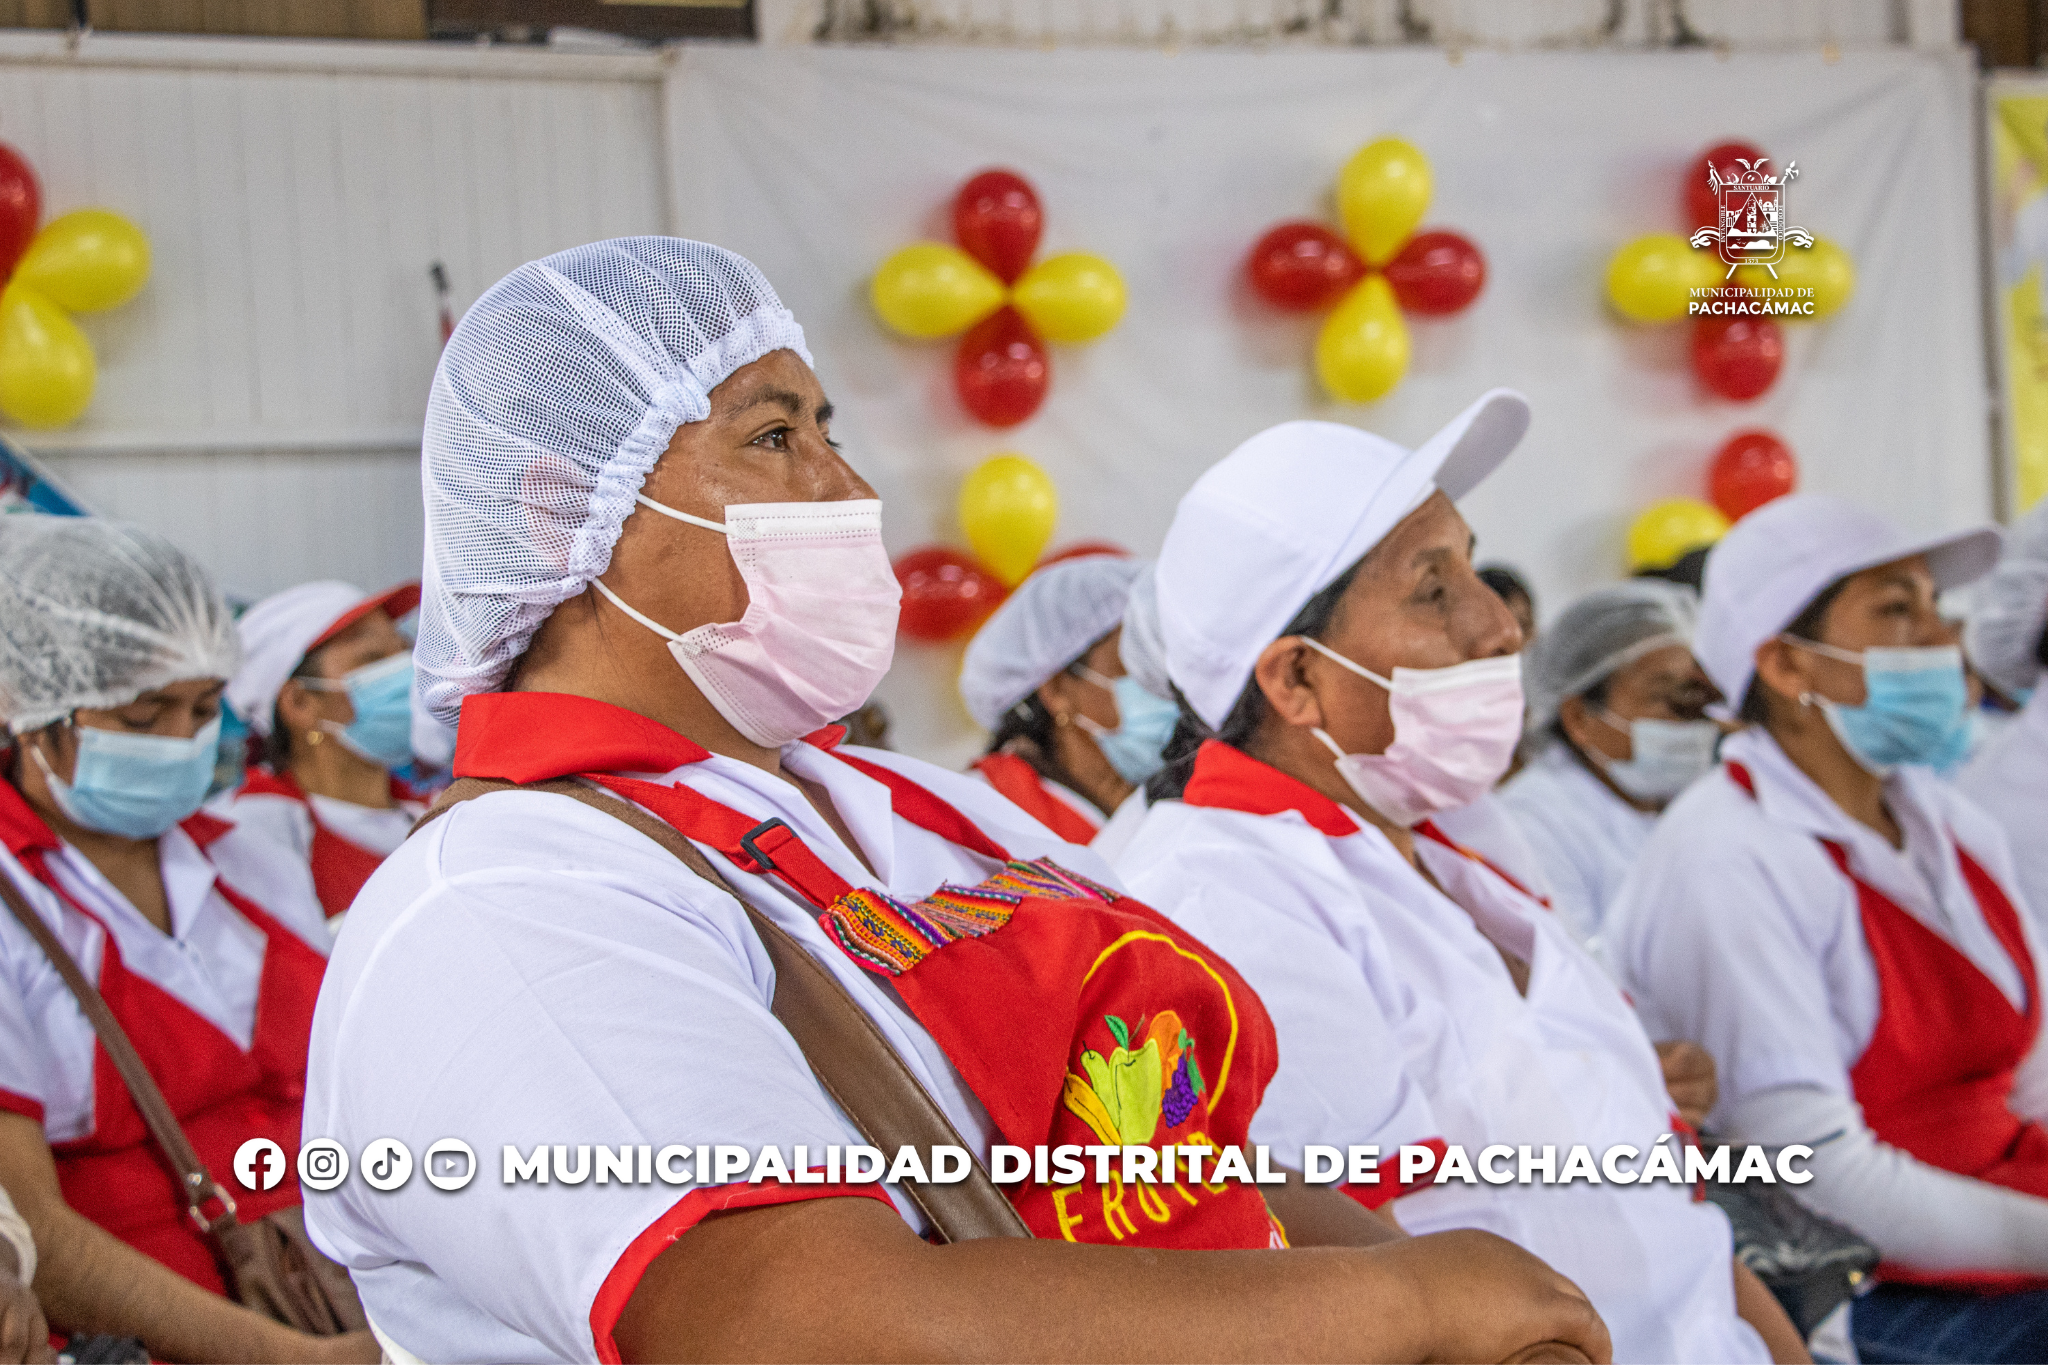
(1334, 657)
(616, 601)
(646, 501)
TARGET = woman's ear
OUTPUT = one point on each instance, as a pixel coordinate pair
(1282, 674)
(1576, 723)
(1783, 668)
(1053, 695)
(296, 708)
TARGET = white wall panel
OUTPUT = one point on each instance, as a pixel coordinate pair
(262, 398)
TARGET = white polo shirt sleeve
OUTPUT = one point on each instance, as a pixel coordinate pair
(525, 983)
(22, 1085)
(1720, 935)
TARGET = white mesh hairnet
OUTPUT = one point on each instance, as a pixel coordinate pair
(556, 394)
(2010, 610)
(1047, 623)
(1142, 646)
(1599, 633)
(95, 613)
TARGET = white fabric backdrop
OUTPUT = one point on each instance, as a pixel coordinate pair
(819, 163)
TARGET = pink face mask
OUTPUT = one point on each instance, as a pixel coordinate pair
(1454, 732)
(820, 625)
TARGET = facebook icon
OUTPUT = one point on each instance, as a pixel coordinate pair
(259, 1164)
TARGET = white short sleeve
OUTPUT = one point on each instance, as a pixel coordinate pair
(579, 989)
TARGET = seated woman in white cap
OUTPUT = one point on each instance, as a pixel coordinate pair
(1616, 727)
(1073, 735)
(1323, 621)
(326, 684)
(1842, 929)
(2007, 640)
(205, 942)
(649, 570)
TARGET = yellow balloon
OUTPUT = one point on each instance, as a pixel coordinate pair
(86, 261)
(1071, 298)
(1007, 509)
(929, 289)
(46, 364)
(1823, 267)
(1669, 530)
(1652, 278)
(1382, 193)
(1362, 351)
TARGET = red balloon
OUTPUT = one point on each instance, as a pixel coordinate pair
(21, 204)
(945, 594)
(1082, 549)
(1303, 266)
(1001, 371)
(1750, 469)
(1702, 206)
(997, 219)
(1738, 357)
(1437, 273)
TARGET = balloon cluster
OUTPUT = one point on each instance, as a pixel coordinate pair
(1656, 278)
(82, 262)
(1751, 468)
(1007, 509)
(988, 288)
(1385, 267)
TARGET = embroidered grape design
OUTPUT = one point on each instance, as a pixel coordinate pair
(1179, 1100)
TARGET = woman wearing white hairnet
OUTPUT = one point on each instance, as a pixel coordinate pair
(1145, 702)
(649, 568)
(2007, 640)
(1325, 625)
(1842, 929)
(1616, 727)
(206, 943)
(326, 684)
(1072, 733)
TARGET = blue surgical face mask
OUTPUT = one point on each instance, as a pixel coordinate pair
(1665, 756)
(1136, 747)
(134, 785)
(1914, 708)
(381, 694)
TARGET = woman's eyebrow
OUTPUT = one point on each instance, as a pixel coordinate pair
(785, 399)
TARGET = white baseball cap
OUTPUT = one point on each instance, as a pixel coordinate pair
(1281, 517)
(281, 630)
(1776, 560)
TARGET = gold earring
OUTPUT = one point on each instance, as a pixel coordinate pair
(313, 738)
(1061, 719)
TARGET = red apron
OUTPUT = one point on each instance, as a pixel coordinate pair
(1077, 1016)
(222, 1095)
(1019, 783)
(1934, 1078)
(340, 866)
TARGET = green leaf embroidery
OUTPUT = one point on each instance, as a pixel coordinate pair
(1119, 1028)
(1194, 1071)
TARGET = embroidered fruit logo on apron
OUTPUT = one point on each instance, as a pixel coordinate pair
(1084, 1019)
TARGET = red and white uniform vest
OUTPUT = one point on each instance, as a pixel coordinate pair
(219, 1009)
(1802, 949)
(1399, 1023)
(1065, 812)
(341, 843)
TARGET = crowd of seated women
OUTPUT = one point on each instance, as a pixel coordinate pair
(1760, 862)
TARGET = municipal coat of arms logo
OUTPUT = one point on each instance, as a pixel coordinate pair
(1752, 230)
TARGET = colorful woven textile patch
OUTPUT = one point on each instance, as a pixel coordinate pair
(890, 936)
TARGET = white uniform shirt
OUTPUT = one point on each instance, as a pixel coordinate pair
(1586, 837)
(1398, 1022)
(1490, 828)
(1123, 826)
(528, 970)
(211, 961)
(2009, 781)
(1738, 931)
(378, 829)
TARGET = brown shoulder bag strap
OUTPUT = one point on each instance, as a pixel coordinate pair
(848, 1054)
(194, 1179)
